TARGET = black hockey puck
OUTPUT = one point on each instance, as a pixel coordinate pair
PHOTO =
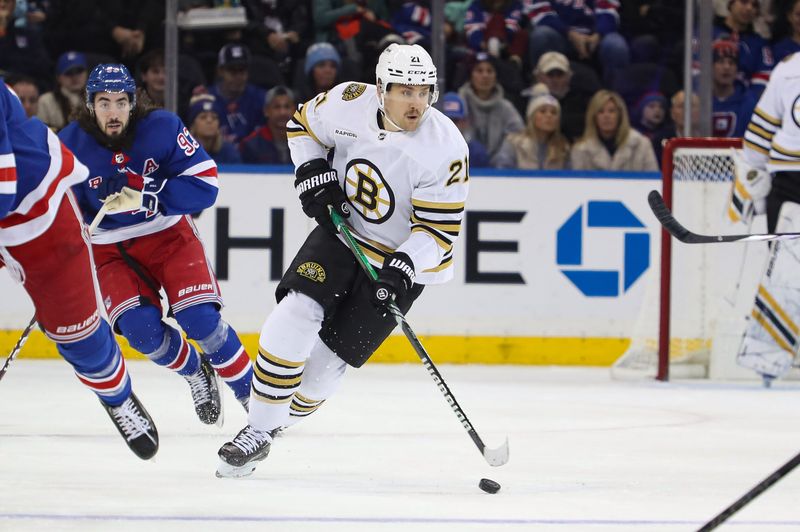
(489, 486)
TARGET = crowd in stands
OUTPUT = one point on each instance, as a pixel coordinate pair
(535, 84)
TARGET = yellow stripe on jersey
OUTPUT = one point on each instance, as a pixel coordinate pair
(761, 132)
(444, 244)
(784, 151)
(771, 119)
(440, 206)
(750, 144)
(450, 227)
(443, 265)
(301, 118)
(276, 380)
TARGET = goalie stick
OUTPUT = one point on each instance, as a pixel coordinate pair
(675, 228)
(757, 490)
(495, 457)
(18, 346)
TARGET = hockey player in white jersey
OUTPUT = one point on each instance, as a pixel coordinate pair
(768, 181)
(399, 172)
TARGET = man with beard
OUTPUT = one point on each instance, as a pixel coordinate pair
(148, 174)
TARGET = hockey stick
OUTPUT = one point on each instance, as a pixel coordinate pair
(18, 346)
(674, 227)
(495, 457)
(97, 219)
(757, 490)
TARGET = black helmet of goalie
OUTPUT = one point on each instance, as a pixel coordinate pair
(405, 64)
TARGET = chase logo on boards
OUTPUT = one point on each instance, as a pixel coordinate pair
(594, 220)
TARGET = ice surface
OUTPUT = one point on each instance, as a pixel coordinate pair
(387, 453)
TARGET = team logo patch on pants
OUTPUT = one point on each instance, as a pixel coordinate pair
(313, 271)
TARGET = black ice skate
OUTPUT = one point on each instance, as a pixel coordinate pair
(239, 458)
(205, 394)
(136, 426)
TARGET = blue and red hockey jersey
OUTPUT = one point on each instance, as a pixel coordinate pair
(36, 170)
(173, 164)
(585, 16)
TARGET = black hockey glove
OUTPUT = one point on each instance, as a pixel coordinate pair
(318, 186)
(394, 280)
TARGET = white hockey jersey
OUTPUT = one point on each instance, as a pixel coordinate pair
(407, 190)
(772, 139)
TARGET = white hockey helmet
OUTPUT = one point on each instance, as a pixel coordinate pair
(409, 64)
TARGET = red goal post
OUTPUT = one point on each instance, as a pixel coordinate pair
(685, 159)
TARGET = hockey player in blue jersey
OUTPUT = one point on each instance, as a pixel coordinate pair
(149, 175)
(44, 247)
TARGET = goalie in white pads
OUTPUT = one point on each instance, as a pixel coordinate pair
(771, 184)
(402, 167)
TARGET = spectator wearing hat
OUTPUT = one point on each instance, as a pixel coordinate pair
(732, 103)
(56, 106)
(541, 145)
(583, 29)
(27, 91)
(268, 144)
(492, 115)
(239, 104)
(649, 117)
(22, 50)
(322, 69)
(555, 72)
(609, 142)
(755, 61)
(454, 107)
(203, 121)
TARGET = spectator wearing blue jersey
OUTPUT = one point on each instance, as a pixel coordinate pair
(755, 61)
(269, 144)
(787, 31)
(583, 29)
(204, 126)
(733, 103)
(454, 108)
(238, 103)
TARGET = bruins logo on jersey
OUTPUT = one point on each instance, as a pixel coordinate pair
(368, 191)
(353, 91)
(313, 271)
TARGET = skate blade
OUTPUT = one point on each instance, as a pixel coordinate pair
(225, 470)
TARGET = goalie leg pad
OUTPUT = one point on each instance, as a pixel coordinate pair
(770, 343)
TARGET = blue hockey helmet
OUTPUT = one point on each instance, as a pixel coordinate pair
(112, 78)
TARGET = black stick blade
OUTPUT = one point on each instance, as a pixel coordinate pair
(666, 219)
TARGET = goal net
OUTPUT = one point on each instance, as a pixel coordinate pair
(694, 308)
